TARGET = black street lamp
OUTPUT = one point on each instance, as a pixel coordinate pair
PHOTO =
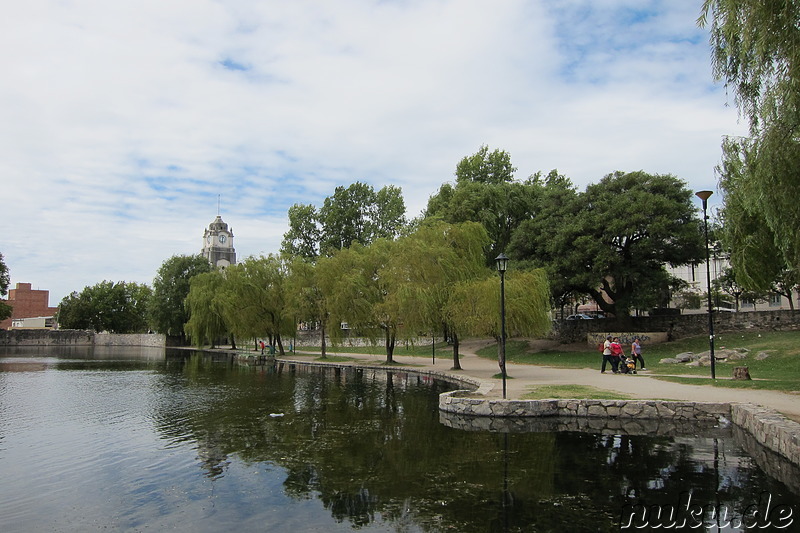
(704, 196)
(502, 266)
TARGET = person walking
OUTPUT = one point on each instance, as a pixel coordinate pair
(636, 353)
(608, 357)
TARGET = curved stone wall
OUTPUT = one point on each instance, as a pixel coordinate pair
(771, 429)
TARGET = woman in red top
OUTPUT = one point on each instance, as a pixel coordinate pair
(616, 354)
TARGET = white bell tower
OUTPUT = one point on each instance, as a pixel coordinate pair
(218, 244)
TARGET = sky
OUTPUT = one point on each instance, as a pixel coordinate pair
(127, 126)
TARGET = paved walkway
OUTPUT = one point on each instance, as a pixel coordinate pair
(524, 379)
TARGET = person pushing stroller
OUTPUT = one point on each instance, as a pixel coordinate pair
(624, 364)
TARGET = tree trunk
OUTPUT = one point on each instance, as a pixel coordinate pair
(280, 344)
(741, 373)
(322, 340)
(389, 345)
(456, 362)
(233, 342)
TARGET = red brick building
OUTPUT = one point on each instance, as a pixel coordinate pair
(27, 303)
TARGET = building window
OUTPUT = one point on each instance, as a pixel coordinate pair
(775, 300)
(748, 302)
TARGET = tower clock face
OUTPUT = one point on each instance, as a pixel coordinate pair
(222, 239)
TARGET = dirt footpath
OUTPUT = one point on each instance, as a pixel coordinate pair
(523, 379)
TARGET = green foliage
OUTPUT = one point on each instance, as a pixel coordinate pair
(357, 214)
(475, 305)
(254, 299)
(754, 253)
(486, 193)
(352, 214)
(114, 307)
(302, 239)
(205, 306)
(4, 278)
(170, 289)
(5, 309)
(689, 300)
(726, 282)
(786, 282)
(427, 266)
(756, 50)
(614, 239)
(484, 167)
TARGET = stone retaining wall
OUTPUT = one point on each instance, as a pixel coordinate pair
(76, 337)
(771, 429)
(148, 340)
(678, 326)
(44, 337)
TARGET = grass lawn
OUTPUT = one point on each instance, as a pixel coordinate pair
(779, 371)
(572, 392)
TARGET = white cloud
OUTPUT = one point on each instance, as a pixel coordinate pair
(124, 120)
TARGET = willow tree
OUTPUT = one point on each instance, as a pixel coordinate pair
(204, 304)
(307, 301)
(475, 305)
(756, 51)
(428, 265)
(360, 292)
(255, 299)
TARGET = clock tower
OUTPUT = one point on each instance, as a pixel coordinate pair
(218, 244)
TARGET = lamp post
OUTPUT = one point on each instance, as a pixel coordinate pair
(502, 266)
(704, 196)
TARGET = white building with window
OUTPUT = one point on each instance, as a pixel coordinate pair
(696, 276)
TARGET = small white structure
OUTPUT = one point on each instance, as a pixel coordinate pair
(38, 322)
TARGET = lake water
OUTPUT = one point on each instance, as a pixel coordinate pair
(143, 440)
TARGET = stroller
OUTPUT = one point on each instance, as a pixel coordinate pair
(627, 365)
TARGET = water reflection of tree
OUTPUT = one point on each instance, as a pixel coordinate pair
(370, 448)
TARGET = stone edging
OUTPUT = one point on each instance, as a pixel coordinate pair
(770, 428)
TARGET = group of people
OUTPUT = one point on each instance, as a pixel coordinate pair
(615, 355)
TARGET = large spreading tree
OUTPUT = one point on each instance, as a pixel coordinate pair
(613, 240)
(107, 306)
(170, 289)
